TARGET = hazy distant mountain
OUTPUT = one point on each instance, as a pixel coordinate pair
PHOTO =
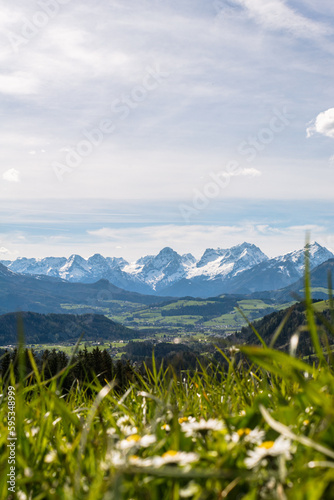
(241, 269)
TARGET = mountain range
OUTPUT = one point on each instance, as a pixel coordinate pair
(45, 294)
(242, 269)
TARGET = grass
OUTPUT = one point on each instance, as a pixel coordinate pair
(259, 427)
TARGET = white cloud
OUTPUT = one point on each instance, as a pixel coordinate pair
(323, 124)
(276, 15)
(11, 175)
(195, 239)
(250, 172)
(18, 83)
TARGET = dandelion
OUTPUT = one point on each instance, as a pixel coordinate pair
(282, 447)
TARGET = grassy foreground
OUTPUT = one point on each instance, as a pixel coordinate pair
(261, 429)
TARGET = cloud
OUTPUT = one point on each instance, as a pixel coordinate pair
(196, 238)
(323, 124)
(250, 172)
(276, 15)
(11, 175)
(18, 83)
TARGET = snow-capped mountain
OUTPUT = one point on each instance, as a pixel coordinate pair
(161, 270)
(279, 272)
(241, 269)
(226, 263)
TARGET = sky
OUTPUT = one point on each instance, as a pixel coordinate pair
(131, 125)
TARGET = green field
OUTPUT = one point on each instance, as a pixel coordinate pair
(258, 429)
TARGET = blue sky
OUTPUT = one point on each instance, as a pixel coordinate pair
(131, 125)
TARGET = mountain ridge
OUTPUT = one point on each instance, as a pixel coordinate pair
(242, 269)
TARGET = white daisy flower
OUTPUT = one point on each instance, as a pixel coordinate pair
(126, 425)
(192, 428)
(115, 458)
(50, 457)
(282, 446)
(182, 420)
(254, 436)
(175, 457)
(140, 462)
(136, 441)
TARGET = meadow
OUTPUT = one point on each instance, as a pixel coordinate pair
(260, 425)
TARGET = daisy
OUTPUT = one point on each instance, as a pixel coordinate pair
(136, 441)
(176, 458)
(203, 426)
(282, 446)
(136, 461)
(126, 425)
(254, 436)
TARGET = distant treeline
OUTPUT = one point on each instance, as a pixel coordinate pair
(84, 367)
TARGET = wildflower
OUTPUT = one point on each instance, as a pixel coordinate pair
(115, 458)
(203, 426)
(165, 427)
(182, 420)
(111, 431)
(33, 431)
(50, 457)
(190, 490)
(175, 457)
(136, 461)
(126, 425)
(136, 441)
(282, 446)
(254, 436)
(28, 472)
(21, 495)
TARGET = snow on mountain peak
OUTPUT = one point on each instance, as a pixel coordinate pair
(318, 255)
(156, 273)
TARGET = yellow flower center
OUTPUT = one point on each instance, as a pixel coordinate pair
(134, 457)
(170, 453)
(182, 420)
(243, 432)
(134, 437)
(306, 422)
(267, 445)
